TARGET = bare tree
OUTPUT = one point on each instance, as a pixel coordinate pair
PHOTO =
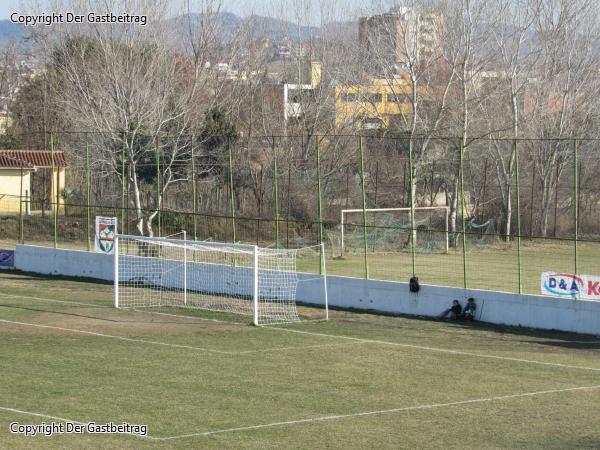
(396, 51)
(131, 86)
(10, 71)
(468, 43)
(563, 98)
(516, 59)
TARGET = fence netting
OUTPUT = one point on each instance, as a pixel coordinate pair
(488, 214)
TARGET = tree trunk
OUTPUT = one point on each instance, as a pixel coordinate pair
(139, 216)
(508, 215)
(454, 212)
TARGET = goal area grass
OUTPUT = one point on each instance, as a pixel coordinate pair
(201, 379)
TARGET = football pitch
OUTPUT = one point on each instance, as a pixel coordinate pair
(207, 380)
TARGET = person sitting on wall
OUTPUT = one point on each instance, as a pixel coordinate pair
(454, 311)
(469, 311)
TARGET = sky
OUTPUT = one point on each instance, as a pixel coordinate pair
(311, 9)
(7, 7)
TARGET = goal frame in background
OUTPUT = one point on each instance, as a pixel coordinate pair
(407, 209)
(184, 244)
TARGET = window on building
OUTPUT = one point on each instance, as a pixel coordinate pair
(399, 98)
(348, 97)
(371, 123)
(300, 95)
(373, 98)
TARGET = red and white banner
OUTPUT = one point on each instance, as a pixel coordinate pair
(592, 287)
(581, 287)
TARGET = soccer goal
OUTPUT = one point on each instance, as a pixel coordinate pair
(235, 278)
(389, 229)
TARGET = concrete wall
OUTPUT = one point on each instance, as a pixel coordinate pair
(72, 263)
(384, 296)
(503, 308)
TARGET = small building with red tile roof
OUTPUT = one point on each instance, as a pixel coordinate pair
(16, 170)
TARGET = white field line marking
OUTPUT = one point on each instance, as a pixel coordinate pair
(44, 416)
(303, 347)
(203, 319)
(122, 338)
(62, 419)
(141, 310)
(372, 341)
(168, 344)
(53, 300)
(436, 349)
(324, 418)
(379, 412)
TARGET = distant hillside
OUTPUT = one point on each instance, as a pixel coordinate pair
(268, 27)
(346, 31)
(276, 29)
(229, 25)
(10, 31)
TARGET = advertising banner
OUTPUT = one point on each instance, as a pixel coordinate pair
(7, 259)
(583, 287)
(106, 229)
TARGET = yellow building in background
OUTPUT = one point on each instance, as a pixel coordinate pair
(19, 167)
(372, 106)
(14, 186)
(5, 122)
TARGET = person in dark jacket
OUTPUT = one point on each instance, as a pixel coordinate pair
(469, 311)
(454, 311)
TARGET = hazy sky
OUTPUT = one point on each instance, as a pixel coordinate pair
(336, 9)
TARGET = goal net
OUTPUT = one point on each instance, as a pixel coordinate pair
(389, 230)
(481, 234)
(234, 278)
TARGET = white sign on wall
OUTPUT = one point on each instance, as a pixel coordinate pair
(583, 287)
(106, 229)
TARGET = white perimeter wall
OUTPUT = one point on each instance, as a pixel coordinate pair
(383, 296)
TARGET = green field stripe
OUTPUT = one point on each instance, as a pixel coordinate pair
(122, 338)
(437, 349)
(380, 412)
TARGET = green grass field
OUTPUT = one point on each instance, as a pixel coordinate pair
(205, 380)
(490, 268)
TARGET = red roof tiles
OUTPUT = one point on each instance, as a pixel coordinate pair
(16, 159)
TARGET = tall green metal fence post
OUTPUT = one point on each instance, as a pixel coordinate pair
(462, 213)
(518, 212)
(88, 195)
(575, 204)
(288, 203)
(21, 209)
(275, 191)
(319, 200)
(413, 230)
(158, 187)
(123, 184)
(56, 186)
(364, 202)
(231, 191)
(194, 193)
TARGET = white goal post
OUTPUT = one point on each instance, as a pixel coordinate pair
(234, 278)
(370, 211)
